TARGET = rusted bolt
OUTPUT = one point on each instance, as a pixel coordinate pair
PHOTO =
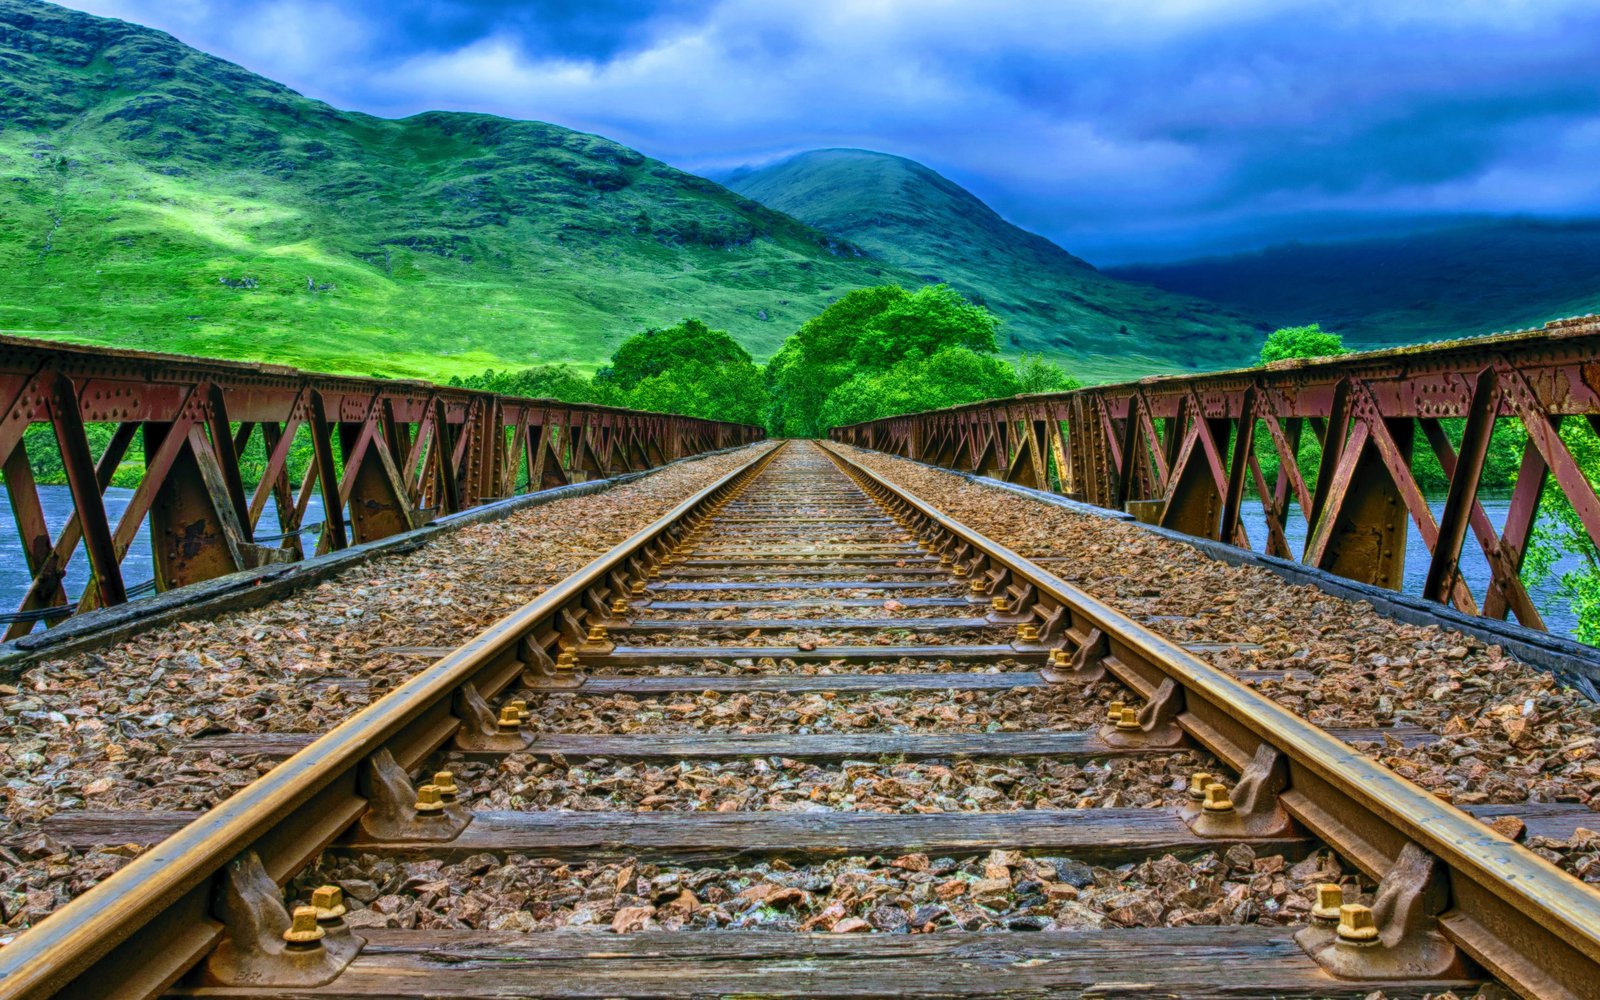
(1356, 926)
(429, 801)
(1128, 721)
(328, 901)
(1028, 632)
(1197, 785)
(304, 932)
(1000, 604)
(510, 721)
(1114, 712)
(1330, 897)
(1217, 800)
(445, 781)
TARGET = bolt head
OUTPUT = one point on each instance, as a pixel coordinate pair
(328, 901)
(429, 801)
(1330, 898)
(1216, 800)
(1356, 924)
(304, 931)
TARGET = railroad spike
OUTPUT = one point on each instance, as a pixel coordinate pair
(264, 945)
(1398, 937)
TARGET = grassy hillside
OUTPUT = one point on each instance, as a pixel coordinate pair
(153, 196)
(1460, 281)
(911, 217)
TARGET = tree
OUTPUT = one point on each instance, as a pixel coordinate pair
(950, 377)
(868, 332)
(657, 351)
(1036, 374)
(1301, 342)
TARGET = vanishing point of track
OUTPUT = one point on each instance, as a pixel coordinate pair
(800, 541)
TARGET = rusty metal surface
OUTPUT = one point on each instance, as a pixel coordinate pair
(1178, 450)
(152, 920)
(387, 456)
(1533, 925)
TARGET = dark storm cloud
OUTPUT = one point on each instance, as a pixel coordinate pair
(1122, 130)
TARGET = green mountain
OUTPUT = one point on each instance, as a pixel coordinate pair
(152, 196)
(1503, 274)
(910, 217)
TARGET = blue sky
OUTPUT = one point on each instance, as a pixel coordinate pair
(1122, 129)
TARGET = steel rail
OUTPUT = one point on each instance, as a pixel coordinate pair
(1534, 926)
(136, 933)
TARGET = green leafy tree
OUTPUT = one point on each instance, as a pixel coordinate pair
(1035, 373)
(562, 382)
(868, 332)
(656, 352)
(1559, 533)
(950, 377)
(1301, 342)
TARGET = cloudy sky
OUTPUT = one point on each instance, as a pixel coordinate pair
(1123, 129)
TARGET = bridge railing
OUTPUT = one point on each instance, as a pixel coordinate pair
(1182, 452)
(385, 457)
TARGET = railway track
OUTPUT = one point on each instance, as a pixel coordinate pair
(800, 597)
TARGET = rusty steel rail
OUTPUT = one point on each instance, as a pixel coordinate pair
(136, 933)
(1531, 924)
(386, 457)
(1180, 451)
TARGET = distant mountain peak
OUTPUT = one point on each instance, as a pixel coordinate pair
(907, 214)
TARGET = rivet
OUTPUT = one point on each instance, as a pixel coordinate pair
(1330, 897)
(1217, 800)
(1197, 785)
(1114, 712)
(1356, 925)
(328, 901)
(304, 932)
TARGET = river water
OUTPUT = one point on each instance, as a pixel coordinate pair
(137, 565)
